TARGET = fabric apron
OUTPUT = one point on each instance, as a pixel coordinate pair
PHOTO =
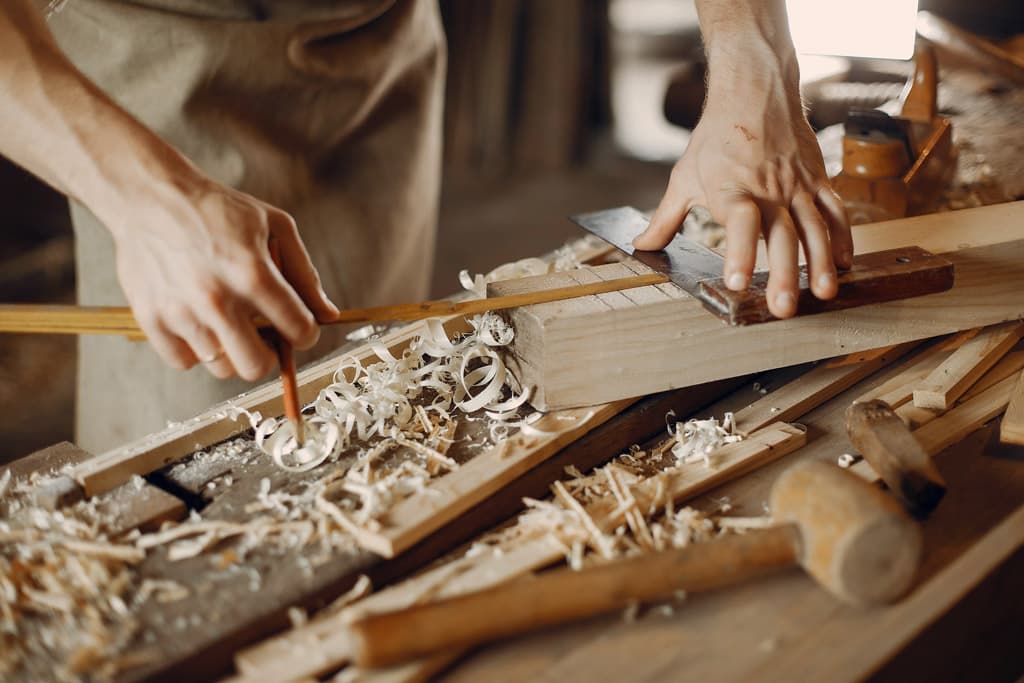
(330, 110)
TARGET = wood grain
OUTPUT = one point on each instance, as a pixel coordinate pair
(591, 352)
(1012, 428)
(954, 376)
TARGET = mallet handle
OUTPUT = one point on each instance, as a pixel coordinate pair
(564, 595)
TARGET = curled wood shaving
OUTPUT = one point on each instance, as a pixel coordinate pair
(411, 399)
(696, 440)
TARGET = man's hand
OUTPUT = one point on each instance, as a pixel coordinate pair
(192, 255)
(196, 269)
(754, 162)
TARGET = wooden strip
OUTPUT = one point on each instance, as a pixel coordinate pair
(649, 348)
(899, 389)
(813, 388)
(1012, 428)
(937, 431)
(1010, 364)
(446, 497)
(41, 318)
(956, 374)
(956, 424)
(324, 644)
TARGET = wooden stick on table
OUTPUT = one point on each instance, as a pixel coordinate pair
(48, 319)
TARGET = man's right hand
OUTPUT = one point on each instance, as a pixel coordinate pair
(196, 269)
(192, 255)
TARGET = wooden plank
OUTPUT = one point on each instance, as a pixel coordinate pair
(570, 354)
(1012, 428)
(983, 398)
(954, 376)
(969, 416)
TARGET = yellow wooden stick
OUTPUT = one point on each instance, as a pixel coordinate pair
(118, 320)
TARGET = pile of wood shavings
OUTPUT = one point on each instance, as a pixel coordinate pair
(68, 591)
(659, 525)
(411, 403)
(71, 589)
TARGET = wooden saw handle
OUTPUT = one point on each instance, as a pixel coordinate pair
(564, 595)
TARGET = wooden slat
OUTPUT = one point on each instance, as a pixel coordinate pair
(444, 498)
(813, 388)
(954, 376)
(899, 389)
(588, 354)
(1012, 428)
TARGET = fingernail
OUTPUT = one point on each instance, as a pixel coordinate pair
(825, 280)
(847, 259)
(786, 303)
(737, 281)
(332, 307)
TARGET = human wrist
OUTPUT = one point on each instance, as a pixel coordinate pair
(750, 54)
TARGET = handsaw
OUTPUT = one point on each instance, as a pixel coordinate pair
(874, 278)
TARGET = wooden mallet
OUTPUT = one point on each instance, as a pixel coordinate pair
(849, 535)
(894, 453)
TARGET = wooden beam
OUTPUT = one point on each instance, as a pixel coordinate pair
(954, 376)
(1012, 428)
(598, 349)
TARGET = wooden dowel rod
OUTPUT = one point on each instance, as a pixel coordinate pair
(53, 319)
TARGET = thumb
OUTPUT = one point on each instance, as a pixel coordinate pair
(298, 270)
(667, 220)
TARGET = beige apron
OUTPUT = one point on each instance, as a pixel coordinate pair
(330, 110)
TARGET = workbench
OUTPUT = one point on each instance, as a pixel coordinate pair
(964, 620)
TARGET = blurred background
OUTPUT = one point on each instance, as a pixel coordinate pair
(555, 108)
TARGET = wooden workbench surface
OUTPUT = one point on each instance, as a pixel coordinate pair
(963, 621)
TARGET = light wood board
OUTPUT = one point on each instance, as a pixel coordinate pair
(602, 348)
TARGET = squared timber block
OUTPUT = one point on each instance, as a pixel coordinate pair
(610, 346)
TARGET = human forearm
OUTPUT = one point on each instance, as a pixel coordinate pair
(754, 161)
(749, 49)
(61, 127)
(192, 255)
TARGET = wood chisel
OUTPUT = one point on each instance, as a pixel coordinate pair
(873, 278)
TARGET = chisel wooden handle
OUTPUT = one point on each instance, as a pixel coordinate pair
(564, 595)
